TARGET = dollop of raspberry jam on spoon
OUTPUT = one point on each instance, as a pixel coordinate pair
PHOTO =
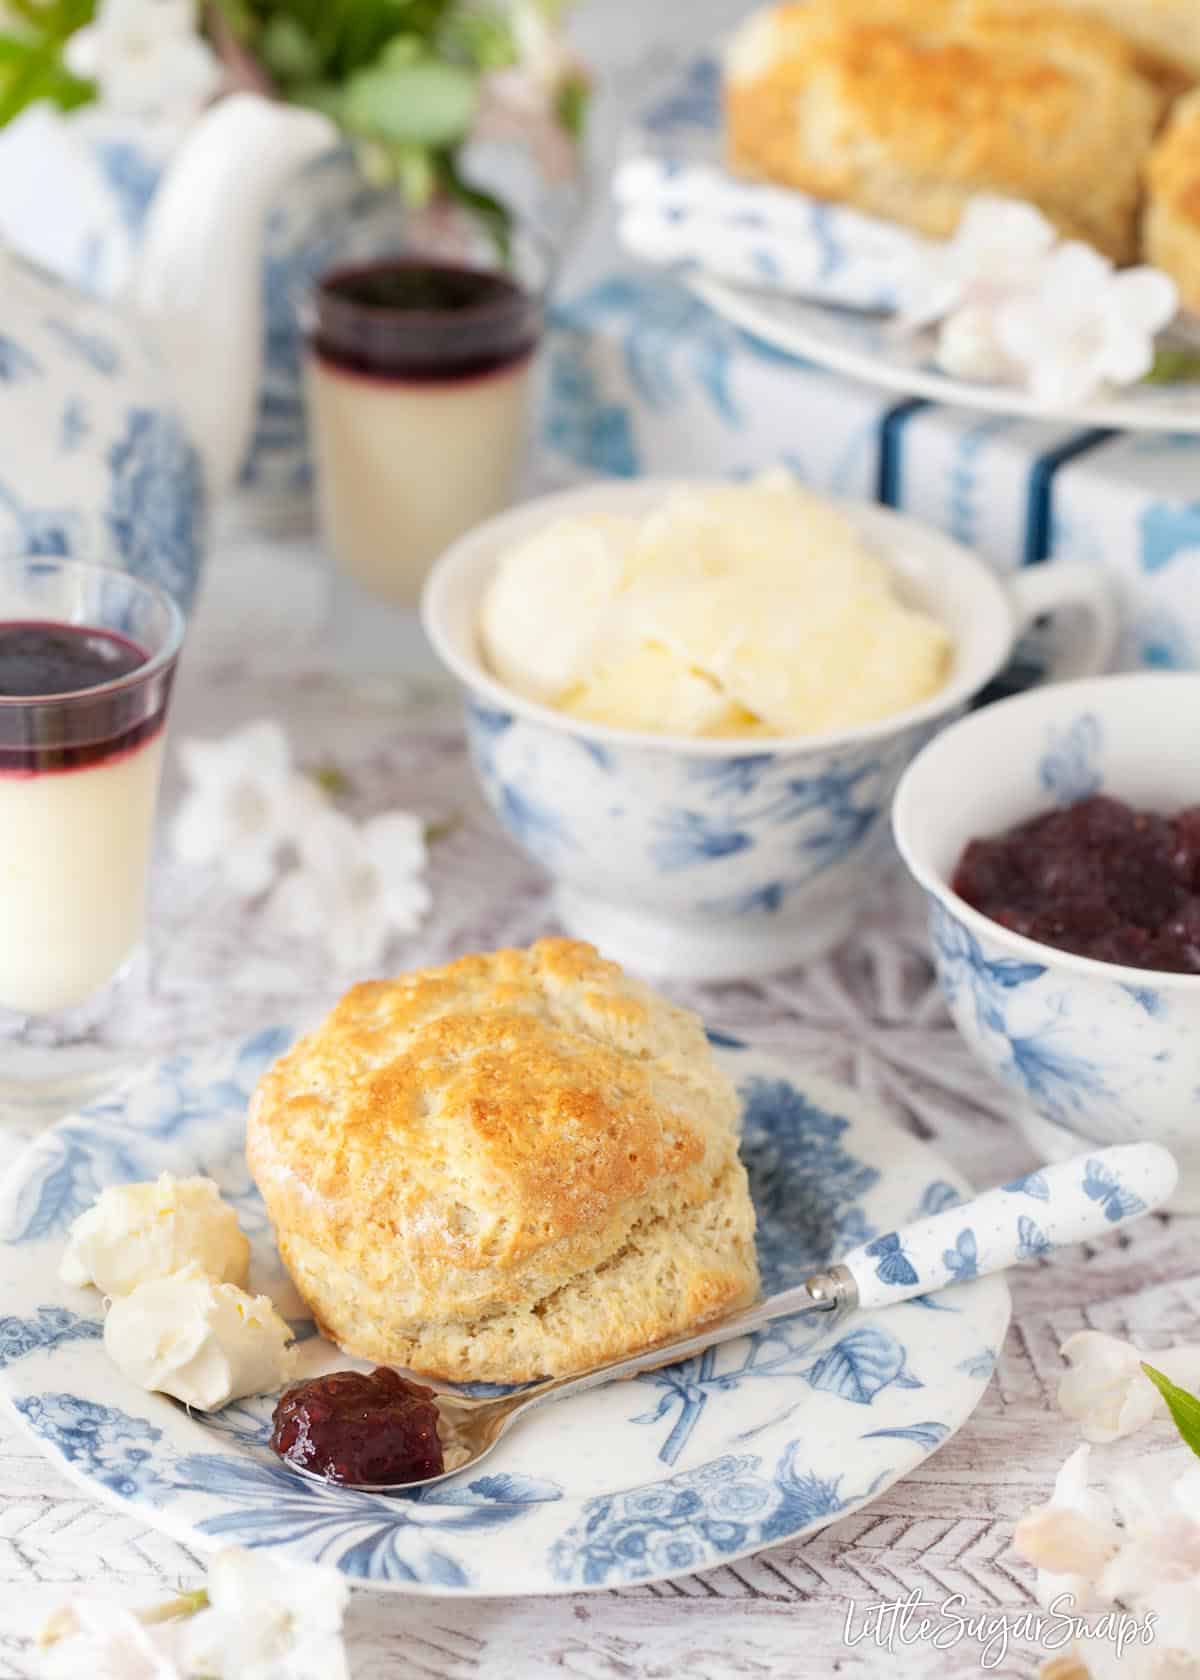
(355, 1428)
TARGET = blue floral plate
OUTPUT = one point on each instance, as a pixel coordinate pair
(756, 1442)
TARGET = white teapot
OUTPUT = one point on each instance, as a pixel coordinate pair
(118, 421)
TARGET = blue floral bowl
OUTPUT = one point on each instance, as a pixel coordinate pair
(719, 859)
(1093, 1052)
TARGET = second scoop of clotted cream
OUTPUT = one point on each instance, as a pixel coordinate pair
(740, 609)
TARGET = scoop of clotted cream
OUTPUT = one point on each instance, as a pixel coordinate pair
(204, 1342)
(136, 1232)
(742, 609)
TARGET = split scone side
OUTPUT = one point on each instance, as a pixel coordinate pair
(908, 108)
(1171, 225)
(519, 1165)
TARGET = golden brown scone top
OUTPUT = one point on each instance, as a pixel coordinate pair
(480, 1112)
(905, 107)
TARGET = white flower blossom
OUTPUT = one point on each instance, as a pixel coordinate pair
(1012, 304)
(268, 1621)
(102, 1641)
(1071, 1538)
(147, 58)
(244, 803)
(967, 346)
(1081, 325)
(355, 887)
(1106, 1389)
(542, 51)
(998, 245)
(520, 102)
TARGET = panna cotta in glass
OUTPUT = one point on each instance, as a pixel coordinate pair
(87, 658)
(419, 383)
(76, 811)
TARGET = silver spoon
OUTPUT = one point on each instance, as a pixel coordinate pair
(1068, 1203)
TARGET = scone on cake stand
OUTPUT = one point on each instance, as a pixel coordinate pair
(908, 108)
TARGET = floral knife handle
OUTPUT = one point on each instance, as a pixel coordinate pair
(1066, 1203)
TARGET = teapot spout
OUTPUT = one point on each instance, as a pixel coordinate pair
(197, 287)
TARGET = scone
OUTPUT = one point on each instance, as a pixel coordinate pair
(907, 108)
(1166, 33)
(1171, 227)
(519, 1165)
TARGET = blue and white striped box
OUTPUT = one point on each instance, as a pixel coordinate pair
(642, 378)
(1132, 507)
(985, 479)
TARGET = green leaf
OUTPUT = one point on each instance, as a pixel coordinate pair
(238, 15)
(289, 51)
(14, 49)
(325, 97)
(491, 213)
(427, 104)
(1183, 1407)
(31, 65)
(416, 174)
(1173, 367)
(483, 38)
(571, 105)
(402, 50)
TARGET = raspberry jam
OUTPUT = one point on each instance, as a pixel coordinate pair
(351, 1427)
(1099, 879)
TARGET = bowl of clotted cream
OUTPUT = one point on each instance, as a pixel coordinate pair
(691, 702)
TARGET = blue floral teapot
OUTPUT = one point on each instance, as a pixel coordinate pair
(118, 420)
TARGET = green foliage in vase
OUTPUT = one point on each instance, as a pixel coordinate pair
(400, 77)
(403, 79)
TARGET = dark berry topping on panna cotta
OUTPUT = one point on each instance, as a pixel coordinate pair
(86, 719)
(353, 1427)
(40, 660)
(423, 322)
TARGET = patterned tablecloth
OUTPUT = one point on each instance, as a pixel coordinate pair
(868, 1015)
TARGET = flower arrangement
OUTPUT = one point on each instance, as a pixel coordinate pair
(409, 82)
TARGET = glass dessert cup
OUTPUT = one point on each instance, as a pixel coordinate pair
(87, 660)
(419, 376)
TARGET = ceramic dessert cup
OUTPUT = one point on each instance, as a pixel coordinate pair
(1093, 1052)
(722, 859)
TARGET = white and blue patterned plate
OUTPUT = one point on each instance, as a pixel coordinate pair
(753, 1443)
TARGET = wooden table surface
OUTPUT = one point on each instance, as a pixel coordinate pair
(869, 1016)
